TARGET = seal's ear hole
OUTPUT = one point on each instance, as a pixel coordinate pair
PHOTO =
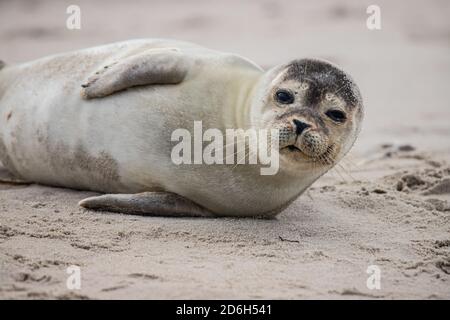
(284, 96)
(336, 115)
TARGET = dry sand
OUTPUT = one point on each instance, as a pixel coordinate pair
(388, 204)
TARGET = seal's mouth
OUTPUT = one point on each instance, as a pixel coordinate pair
(292, 148)
(325, 158)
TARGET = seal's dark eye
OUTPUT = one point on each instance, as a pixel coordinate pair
(336, 115)
(284, 97)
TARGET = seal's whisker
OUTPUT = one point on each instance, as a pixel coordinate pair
(226, 146)
(234, 143)
(335, 168)
(247, 155)
(344, 170)
(350, 163)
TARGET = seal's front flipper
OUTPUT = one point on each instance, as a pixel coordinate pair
(147, 203)
(154, 66)
(8, 177)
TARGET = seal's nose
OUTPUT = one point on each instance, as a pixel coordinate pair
(300, 126)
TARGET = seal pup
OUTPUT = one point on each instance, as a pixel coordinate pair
(101, 119)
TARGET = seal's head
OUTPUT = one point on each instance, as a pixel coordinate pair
(317, 108)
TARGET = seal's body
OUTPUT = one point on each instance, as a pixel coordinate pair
(115, 137)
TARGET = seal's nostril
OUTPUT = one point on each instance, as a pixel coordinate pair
(300, 126)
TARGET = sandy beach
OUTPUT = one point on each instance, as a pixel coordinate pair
(386, 204)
